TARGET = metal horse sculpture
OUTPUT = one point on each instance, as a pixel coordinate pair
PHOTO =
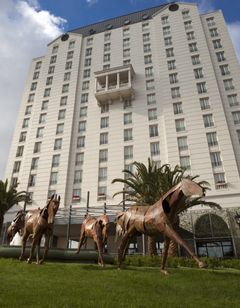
(96, 229)
(157, 218)
(16, 226)
(39, 222)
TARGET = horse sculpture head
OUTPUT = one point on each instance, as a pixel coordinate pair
(51, 208)
(191, 189)
(16, 225)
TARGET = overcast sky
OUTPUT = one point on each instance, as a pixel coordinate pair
(27, 26)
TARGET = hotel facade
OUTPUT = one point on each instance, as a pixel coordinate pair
(161, 83)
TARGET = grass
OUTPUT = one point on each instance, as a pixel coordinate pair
(63, 285)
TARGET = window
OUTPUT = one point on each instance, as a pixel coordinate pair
(42, 118)
(35, 75)
(210, 21)
(146, 37)
(58, 144)
(16, 166)
(88, 52)
(49, 81)
(219, 178)
(126, 53)
(107, 66)
(232, 100)
(88, 62)
(153, 130)
(47, 92)
(149, 72)
(177, 108)
(152, 114)
(182, 143)
(55, 160)
(34, 163)
(33, 86)
(59, 129)
(154, 148)
(128, 134)
(164, 20)
(70, 55)
(126, 42)
(103, 138)
(68, 65)
(127, 103)
(53, 178)
(63, 101)
(185, 162)
(106, 57)
(220, 56)
(185, 14)
(51, 69)
(102, 192)
(102, 174)
(104, 122)
(238, 135)
(128, 167)
(212, 139)
(82, 126)
(55, 49)
(105, 108)
(208, 120)
(198, 73)
(81, 142)
(188, 25)
(171, 64)
(37, 147)
(83, 112)
(224, 70)
(127, 118)
(151, 99)
(175, 92)
(61, 114)
(53, 59)
(193, 47)
(23, 137)
(89, 41)
(107, 47)
(168, 41)
(217, 44)
(65, 88)
(67, 76)
(71, 44)
(84, 98)
(76, 195)
(103, 155)
(85, 85)
(147, 47)
(228, 84)
(215, 159)
(150, 84)
(173, 78)
(19, 151)
(77, 176)
(32, 180)
(126, 32)
(40, 132)
(79, 159)
(195, 60)
(236, 117)
(180, 125)
(148, 59)
(145, 26)
(201, 87)
(128, 152)
(107, 36)
(44, 105)
(25, 123)
(213, 32)
(38, 65)
(86, 73)
(204, 103)
(169, 52)
(166, 30)
(31, 97)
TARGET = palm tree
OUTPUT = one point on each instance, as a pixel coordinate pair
(9, 197)
(147, 184)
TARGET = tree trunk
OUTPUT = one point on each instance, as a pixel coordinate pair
(152, 250)
(1, 223)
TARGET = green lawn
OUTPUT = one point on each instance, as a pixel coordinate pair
(56, 285)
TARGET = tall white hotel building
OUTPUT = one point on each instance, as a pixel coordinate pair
(161, 83)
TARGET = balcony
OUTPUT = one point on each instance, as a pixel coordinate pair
(114, 84)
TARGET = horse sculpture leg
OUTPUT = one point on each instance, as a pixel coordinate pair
(164, 255)
(46, 247)
(38, 251)
(81, 241)
(36, 239)
(99, 241)
(170, 233)
(24, 240)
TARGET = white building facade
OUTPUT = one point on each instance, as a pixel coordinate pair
(161, 83)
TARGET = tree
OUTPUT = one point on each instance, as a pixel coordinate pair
(9, 197)
(147, 184)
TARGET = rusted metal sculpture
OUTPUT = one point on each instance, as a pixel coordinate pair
(96, 229)
(16, 226)
(157, 218)
(39, 222)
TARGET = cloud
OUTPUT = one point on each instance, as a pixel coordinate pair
(91, 2)
(24, 33)
(234, 31)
